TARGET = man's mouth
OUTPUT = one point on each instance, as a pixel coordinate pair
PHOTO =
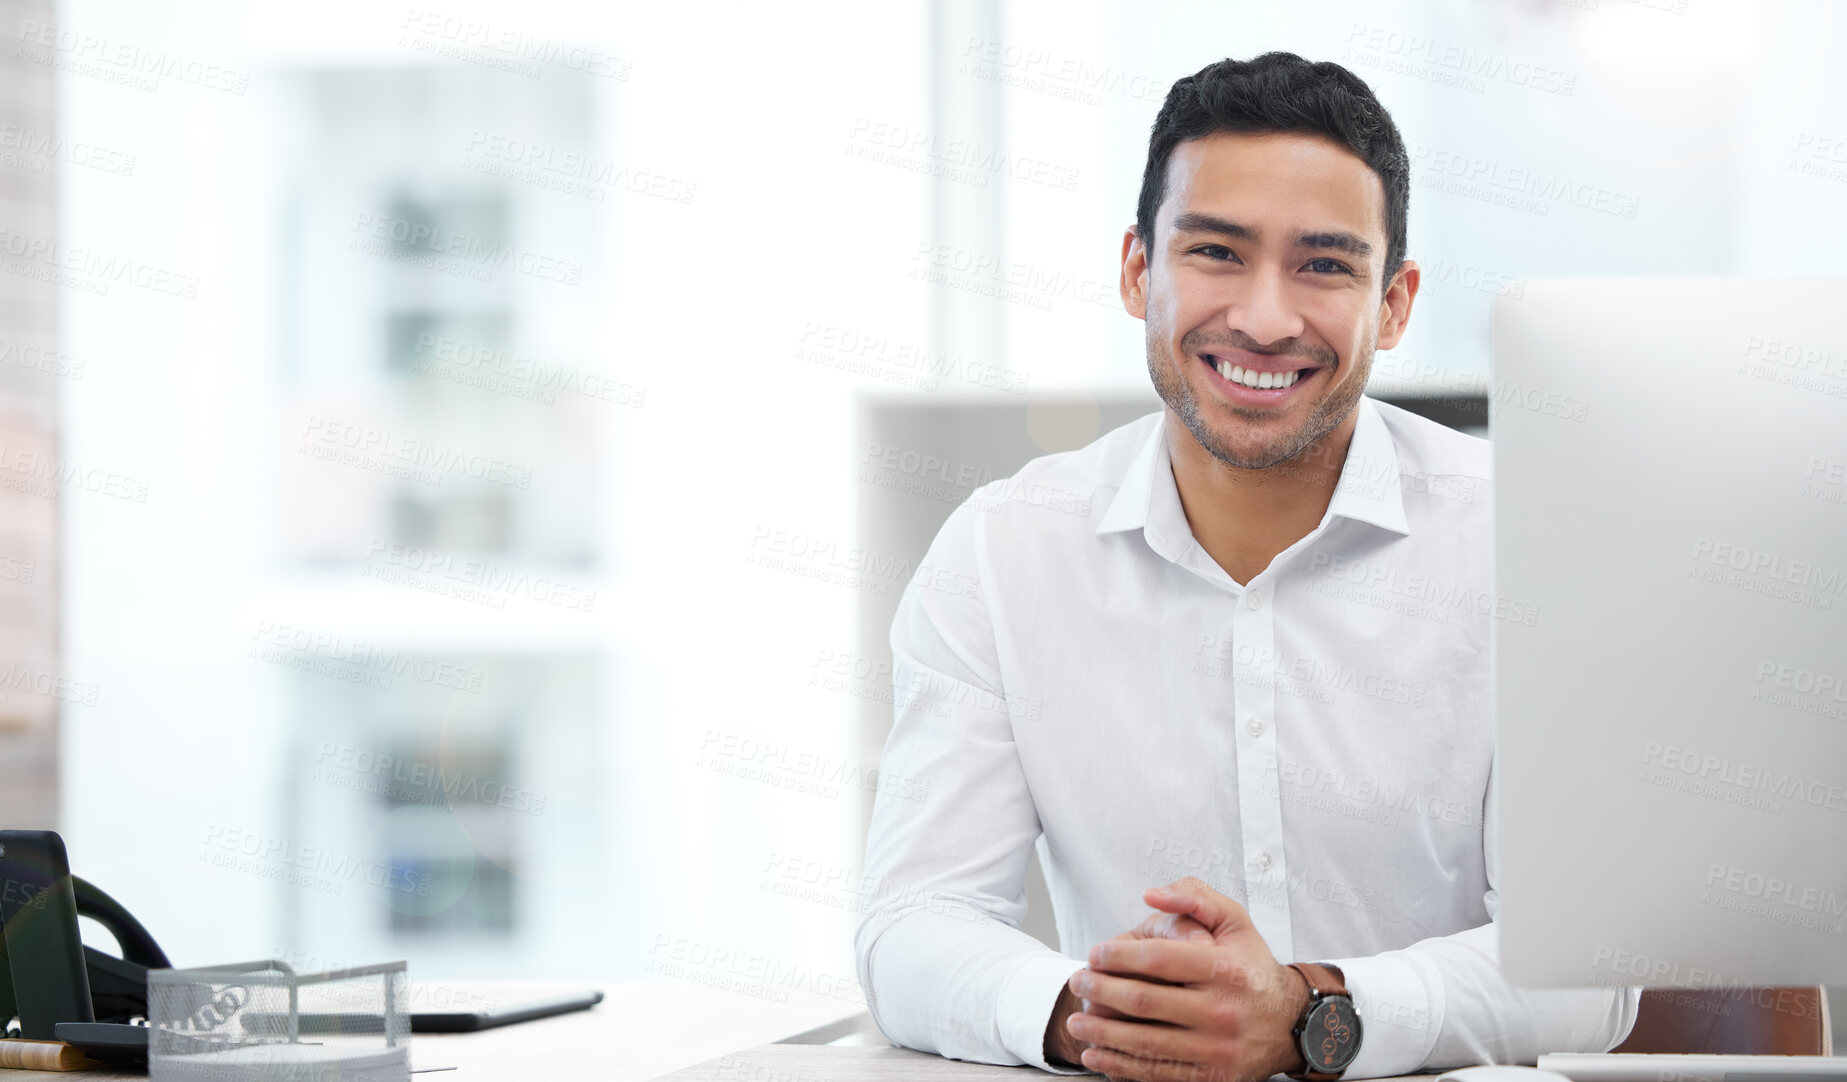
(1274, 377)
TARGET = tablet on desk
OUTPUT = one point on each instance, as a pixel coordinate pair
(432, 1021)
(129, 1044)
(470, 1021)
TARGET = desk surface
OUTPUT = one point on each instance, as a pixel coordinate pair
(641, 1030)
(666, 1030)
(827, 1063)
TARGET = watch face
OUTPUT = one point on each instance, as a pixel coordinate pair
(1330, 1035)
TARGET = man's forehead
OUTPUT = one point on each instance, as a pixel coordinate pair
(1316, 181)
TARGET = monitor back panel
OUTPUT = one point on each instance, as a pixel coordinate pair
(1671, 505)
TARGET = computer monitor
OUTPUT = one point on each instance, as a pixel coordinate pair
(1670, 462)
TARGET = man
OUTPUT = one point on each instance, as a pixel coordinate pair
(1257, 667)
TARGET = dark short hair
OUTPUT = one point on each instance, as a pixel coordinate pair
(1281, 92)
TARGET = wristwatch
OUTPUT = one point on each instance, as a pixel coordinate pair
(1328, 1033)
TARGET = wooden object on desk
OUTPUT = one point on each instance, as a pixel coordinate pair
(1741, 1021)
(43, 1056)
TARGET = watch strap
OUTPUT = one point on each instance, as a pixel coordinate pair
(1322, 980)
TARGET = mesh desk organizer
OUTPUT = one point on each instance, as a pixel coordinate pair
(263, 1022)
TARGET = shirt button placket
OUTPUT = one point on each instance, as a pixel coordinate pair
(1260, 808)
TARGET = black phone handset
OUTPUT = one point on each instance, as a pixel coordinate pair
(118, 986)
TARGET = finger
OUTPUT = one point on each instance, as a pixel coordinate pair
(1139, 1000)
(1192, 897)
(1100, 1008)
(1140, 932)
(1171, 926)
(1218, 913)
(1115, 1065)
(1149, 1043)
(1110, 1012)
(1163, 959)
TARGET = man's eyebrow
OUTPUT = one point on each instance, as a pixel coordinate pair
(1339, 242)
(1195, 222)
(1332, 240)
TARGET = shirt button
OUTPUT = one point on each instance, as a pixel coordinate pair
(1253, 600)
(1263, 861)
(1255, 726)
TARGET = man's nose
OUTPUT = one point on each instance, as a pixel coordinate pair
(1262, 310)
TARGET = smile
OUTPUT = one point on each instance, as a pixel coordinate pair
(1252, 385)
(1253, 378)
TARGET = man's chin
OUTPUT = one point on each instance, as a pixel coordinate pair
(1253, 458)
(1261, 438)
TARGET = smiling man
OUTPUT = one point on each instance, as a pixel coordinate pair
(1247, 688)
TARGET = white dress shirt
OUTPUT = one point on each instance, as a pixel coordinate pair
(1079, 675)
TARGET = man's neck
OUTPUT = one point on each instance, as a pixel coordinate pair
(1244, 518)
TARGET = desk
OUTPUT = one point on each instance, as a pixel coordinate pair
(833, 1063)
(853, 1050)
(641, 1030)
(666, 1030)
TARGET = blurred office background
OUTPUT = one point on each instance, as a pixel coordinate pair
(460, 460)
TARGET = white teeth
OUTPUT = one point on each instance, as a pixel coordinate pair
(1257, 380)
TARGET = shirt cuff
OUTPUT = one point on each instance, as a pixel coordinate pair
(1026, 1005)
(1400, 1014)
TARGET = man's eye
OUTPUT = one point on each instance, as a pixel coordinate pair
(1213, 250)
(1329, 266)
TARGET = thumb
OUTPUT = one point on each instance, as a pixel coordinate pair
(1171, 926)
(1220, 915)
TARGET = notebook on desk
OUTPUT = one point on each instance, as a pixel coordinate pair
(1652, 1066)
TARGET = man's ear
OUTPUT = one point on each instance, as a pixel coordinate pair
(1395, 307)
(1134, 283)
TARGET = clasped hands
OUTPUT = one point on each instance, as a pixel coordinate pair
(1192, 994)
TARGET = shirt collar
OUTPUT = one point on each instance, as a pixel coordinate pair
(1369, 489)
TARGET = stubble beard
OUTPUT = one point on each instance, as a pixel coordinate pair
(1329, 412)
